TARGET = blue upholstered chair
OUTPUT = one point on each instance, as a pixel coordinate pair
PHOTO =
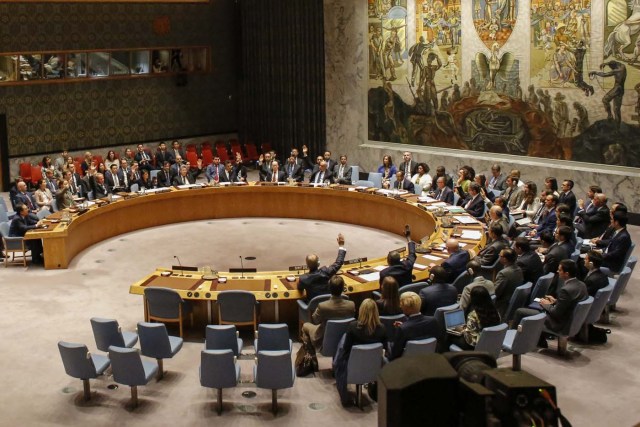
(166, 306)
(274, 370)
(223, 337)
(442, 330)
(518, 300)
(219, 369)
(130, 369)
(79, 363)
(43, 213)
(388, 323)
(364, 183)
(238, 308)
(572, 327)
(272, 337)
(155, 342)
(364, 363)
(599, 305)
(305, 310)
(490, 272)
(619, 283)
(376, 179)
(542, 286)
(462, 280)
(333, 331)
(413, 287)
(631, 263)
(107, 332)
(523, 339)
(13, 246)
(490, 340)
(424, 346)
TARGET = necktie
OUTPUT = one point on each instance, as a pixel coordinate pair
(290, 171)
(341, 173)
(407, 168)
(184, 180)
(274, 176)
(215, 175)
(29, 203)
(116, 181)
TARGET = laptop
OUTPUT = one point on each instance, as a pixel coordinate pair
(454, 321)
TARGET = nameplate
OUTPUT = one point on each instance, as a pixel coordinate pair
(297, 267)
(400, 198)
(356, 260)
(184, 268)
(269, 184)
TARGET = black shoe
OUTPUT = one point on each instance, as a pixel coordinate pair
(542, 343)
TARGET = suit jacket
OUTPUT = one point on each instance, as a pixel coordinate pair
(327, 177)
(176, 153)
(490, 253)
(210, 172)
(531, 266)
(282, 177)
(402, 272)
(177, 180)
(417, 326)
(78, 185)
(446, 195)
(572, 292)
(333, 309)
(239, 171)
(406, 185)
(507, 280)
(465, 296)
(409, 169)
(141, 161)
(448, 182)
(476, 207)
(164, 156)
(20, 225)
(263, 170)
(316, 282)
(548, 223)
(165, 179)
(514, 197)
(110, 181)
(27, 199)
(294, 171)
(346, 174)
(456, 264)
(615, 253)
(226, 176)
(556, 253)
(99, 190)
(568, 198)
(499, 183)
(595, 221)
(595, 280)
(437, 295)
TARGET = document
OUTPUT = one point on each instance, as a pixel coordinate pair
(370, 277)
(464, 219)
(471, 234)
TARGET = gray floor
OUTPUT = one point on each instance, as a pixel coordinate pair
(596, 385)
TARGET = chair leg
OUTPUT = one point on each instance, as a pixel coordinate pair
(134, 396)
(219, 401)
(605, 316)
(517, 362)
(274, 401)
(87, 389)
(563, 341)
(584, 333)
(359, 395)
(160, 374)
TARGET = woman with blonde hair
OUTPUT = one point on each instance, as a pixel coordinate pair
(366, 330)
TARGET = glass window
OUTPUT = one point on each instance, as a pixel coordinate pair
(160, 60)
(30, 67)
(76, 65)
(140, 62)
(53, 66)
(8, 68)
(99, 64)
(120, 63)
(195, 59)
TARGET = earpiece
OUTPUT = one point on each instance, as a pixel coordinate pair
(470, 271)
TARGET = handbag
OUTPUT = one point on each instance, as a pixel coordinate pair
(306, 361)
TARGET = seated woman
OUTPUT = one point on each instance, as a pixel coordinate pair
(530, 202)
(64, 198)
(111, 159)
(145, 180)
(464, 179)
(482, 314)
(366, 330)
(481, 180)
(43, 196)
(389, 303)
(422, 179)
(387, 169)
(551, 184)
(47, 164)
(87, 162)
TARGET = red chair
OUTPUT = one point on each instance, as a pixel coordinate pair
(265, 147)
(98, 159)
(36, 174)
(192, 158)
(78, 159)
(207, 157)
(25, 171)
(235, 147)
(192, 148)
(205, 146)
(221, 150)
(78, 166)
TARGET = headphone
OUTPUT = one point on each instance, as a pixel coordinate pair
(432, 276)
(470, 271)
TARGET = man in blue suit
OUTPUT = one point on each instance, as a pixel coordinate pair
(548, 218)
(417, 326)
(316, 281)
(474, 203)
(439, 293)
(443, 193)
(400, 270)
(615, 254)
(457, 261)
(403, 183)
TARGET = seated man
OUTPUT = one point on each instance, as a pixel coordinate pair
(342, 172)
(276, 175)
(594, 220)
(315, 282)
(595, 279)
(322, 175)
(442, 193)
(546, 220)
(513, 195)
(114, 179)
(22, 223)
(439, 293)
(239, 170)
(227, 172)
(559, 310)
(559, 250)
(165, 177)
(603, 240)
(100, 190)
(143, 158)
(294, 170)
(496, 216)
(213, 171)
(490, 253)
(614, 255)
(184, 177)
(474, 203)
(402, 271)
(457, 261)
(416, 327)
(401, 183)
(333, 309)
(507, 280)
(528, 260)
(475, 270)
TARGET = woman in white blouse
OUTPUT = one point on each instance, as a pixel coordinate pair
(530, 202)
(422, 179)
(43, 196)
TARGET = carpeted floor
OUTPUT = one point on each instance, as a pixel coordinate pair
(596, 386)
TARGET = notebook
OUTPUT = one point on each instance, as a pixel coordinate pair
(454, 321)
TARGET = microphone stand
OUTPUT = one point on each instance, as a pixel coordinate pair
(180, 264)
(241, 267)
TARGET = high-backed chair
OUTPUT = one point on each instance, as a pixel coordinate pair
(305, 310)
(274, 371)
(107, 332)
(129, 369)
(572, 327)
(542, 286)
(518, 300)
(13, 246)
(631, 263)
(364, 183)
(43, 213)
(79, 363)
(413, 287)
(491, 271)
(376, 178)
(389, 321)
(219, 369)
(599, 305)
(272, 337)
(490, 340)
(424, 346)
(523, 339)
(333, 332)
(223, 337)
(462, 280)
(166, 306)
(155, 342)
(364, 363)
(439, 316)
(238, 308)
(619, 283)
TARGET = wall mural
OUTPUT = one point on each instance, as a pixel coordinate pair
(581, 100)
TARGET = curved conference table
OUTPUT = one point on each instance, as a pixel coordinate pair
(278, 289)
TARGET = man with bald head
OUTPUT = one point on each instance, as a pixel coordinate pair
(457, 261)
(316, 281)
(593, 221)
(322, 175)
(400, 270)
(24, 197)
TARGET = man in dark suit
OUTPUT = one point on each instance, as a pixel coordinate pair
(440, 173)
(567, 197)
(24, 197)
(294, 170)
(330, 162)
(595, 279)
(162, 155)
(497, 180)
(474, 203)
(490, 253)
(227, 172)
(51, 181)
(239, 170)
(100, 190)
(342, 172)
(276, 175)
(439, 293)
(559, 250)
(165, 177)
(213, 171)
(507, 280)
(401, 270)
(184, 177)
(528, 261)
(76, 184)
(333, 309)
(143, 158)
(457, 261)
(114, 180)
(408, 166)
(322, 175)
(176, 151)
(593, 221)
(22, 223)
(513, 195)
(417, 325)
(588, 204)
(443, 193)
(402, 182)
(315, 282)
(547, 218)
(615, 254)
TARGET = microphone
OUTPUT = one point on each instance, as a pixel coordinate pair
(180, 264)
(241, 267)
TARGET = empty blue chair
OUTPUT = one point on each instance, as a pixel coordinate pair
(223, 337)
(542, 286)
(13, 246)
(523, 339)
(238, 308)
(631, 263)
(619, 283)
(134, 188)
(376, 179)
(599, 305)
(155, 342)
(43, 213)
(364, 363)
(274, 371)
(518, 300)
(490, 340)
(166, 306)
(413, 347)
(355, 173)
(219, 369)
(107, 332)
(572, 328)
(79, 363)
(333, 331)
(272, 337)
(462, 280)
(129, 369)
